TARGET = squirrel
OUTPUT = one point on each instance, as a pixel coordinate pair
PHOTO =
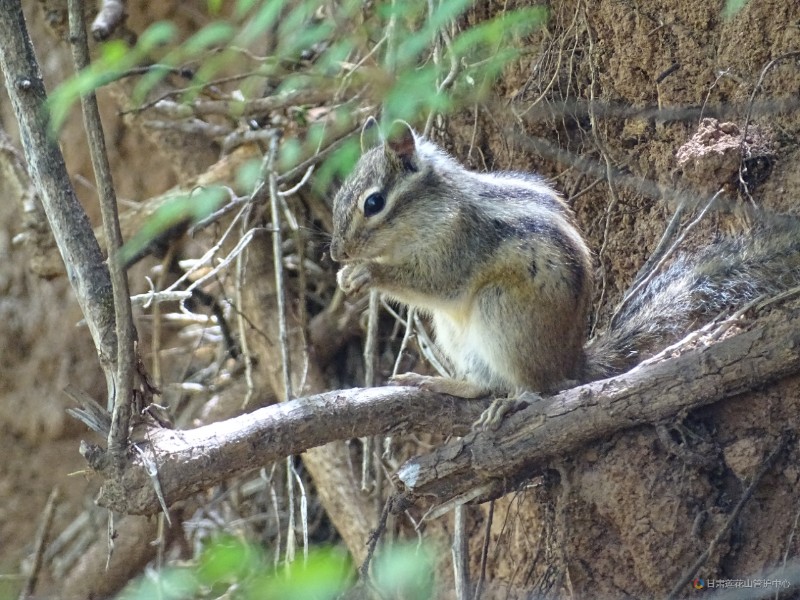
(498, 262)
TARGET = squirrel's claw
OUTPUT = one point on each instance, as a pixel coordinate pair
(492, 417)
(441, 385)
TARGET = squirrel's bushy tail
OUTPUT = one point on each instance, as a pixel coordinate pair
(695, 289)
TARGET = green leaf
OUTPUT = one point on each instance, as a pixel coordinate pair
(406, 572)
(168, 584)
(337, 53)
(158, 34)
(260, 24)
(247, 175)
(325, 575)
(228, 560)
(413, 92)
(182, 209)
(214, 6)
(290, 154)
(113, 52)
(337, 166)
(210, 66)
(243, 7)
(211, 35)
(499, 31)
(410, 47)
(292, 42)
(732, 7)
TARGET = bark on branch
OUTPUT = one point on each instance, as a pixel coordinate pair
(483, 464)
(73, 233)
(488, 464)
(196, 459)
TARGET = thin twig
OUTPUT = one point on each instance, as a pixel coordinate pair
(370, 360)
(460, 552)
(487, 537)
(303, 180)
(42, 535)
(206, 258)
(275, 509)
(299, 235)
(155, 343)
(241, 270)
(449, 78)
(374, 538)
(303, 512)
(242, 108)
(429, 349)
(151, 466)
(661, 247)
(291, 542)
(318, 156)
(277, 251)
(609, 175)
(219, 213)
(283, 336)
(788, 548)
(408, 331)
(126, 361)
(305, 167)
(154, 297)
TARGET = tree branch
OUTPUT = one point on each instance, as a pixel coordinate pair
(86, 266)
(126, 361)
(487, 464)
(484, 464)
(196, 459)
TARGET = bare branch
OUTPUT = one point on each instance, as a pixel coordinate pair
(123, 392)
(77, 244)
(175, 110)
(42, 535)
(482, 465)
(189, 461)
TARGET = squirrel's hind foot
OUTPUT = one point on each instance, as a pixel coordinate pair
(501, 407)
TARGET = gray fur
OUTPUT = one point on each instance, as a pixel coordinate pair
(695, 289)
(497, 261)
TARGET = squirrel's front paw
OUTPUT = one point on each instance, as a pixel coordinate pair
(440, 385)
(354, 278)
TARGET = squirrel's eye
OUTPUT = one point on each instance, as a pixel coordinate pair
(374, 204)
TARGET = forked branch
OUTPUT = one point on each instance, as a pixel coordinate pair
(484, 464)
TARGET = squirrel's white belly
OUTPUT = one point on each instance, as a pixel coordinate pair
(478, 353)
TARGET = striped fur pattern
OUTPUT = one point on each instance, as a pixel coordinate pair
(494, 259)
(498, 263)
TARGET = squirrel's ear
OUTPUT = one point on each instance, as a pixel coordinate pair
(370, 134)
(401, 145)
